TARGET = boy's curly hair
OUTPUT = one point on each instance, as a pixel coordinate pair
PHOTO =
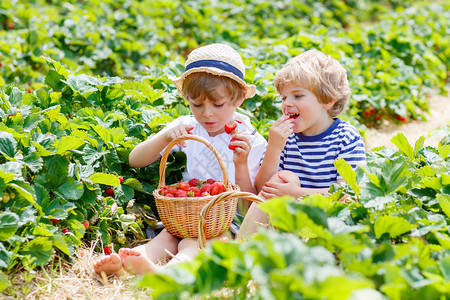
(321, 74)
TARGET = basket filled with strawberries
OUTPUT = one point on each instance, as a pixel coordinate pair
(179, 205)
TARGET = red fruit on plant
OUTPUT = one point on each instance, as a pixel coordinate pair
(54, 221)
(210, 181)
(181, 193)
(206, 188)
(183, 185)
(400, 118)
(232, 147)
(217, 188)
(10, 25)
(193, 182)
(107, 250)
(86, 224)
(65, 230)
(377, 117)
(110, 192)
(30, 90)
(367, 113)
(121, 179)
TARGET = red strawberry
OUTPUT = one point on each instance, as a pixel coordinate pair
(54, 221)
(110, 192)
(65, 230)
(121, 179)
(181, 193)
(232, 147)
(183, 185)
(169, 195)
(217, 188)
(230, 129)
(86, 224)
(204, 194)
(206, 188)
(107, 250)
(210, 181)
(171, 190)
(193, 182)
(195, 192)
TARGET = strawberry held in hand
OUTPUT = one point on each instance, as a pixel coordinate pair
(229, 129)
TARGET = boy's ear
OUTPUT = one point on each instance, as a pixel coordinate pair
(239, 102)
(329, 105)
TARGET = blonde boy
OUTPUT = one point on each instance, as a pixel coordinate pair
(213, 84)
(306, 141)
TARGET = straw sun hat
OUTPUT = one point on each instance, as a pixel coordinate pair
(217, 59)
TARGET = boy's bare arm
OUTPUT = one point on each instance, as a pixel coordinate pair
(148, 151)
(241, 151)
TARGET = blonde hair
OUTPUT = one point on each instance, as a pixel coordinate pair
(321, 74)
(203, 85)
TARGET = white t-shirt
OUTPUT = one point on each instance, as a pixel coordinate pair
(201, 161)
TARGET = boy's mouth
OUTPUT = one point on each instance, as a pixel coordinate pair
(292, 116)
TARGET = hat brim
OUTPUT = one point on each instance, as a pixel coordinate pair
(250, 89)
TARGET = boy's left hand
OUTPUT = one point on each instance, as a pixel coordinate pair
(242, 147)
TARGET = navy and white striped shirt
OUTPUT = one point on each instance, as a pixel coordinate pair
(312, 157)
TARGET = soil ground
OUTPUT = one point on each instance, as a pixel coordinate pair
(439, 117)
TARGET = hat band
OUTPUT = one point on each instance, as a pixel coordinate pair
(215, 64)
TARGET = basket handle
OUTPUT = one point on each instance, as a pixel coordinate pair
(162, 165)
(201, 240)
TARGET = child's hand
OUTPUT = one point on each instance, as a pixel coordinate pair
(280, 131)
(241, 146)
(281, 185)
(177, 132)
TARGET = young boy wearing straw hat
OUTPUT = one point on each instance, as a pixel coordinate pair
(306, 141)
(213, 84)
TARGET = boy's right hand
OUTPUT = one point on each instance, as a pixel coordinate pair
(280, 131)
(178, 131)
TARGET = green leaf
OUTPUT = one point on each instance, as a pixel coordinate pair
(40, 249)
(9, 223)
(418, 146)
(444, 151)
(68, 143)
(63, 243)
(402, 143)
(444, 203)
(54, 80)
(4, 280)
(79, 84)
(135, 184)
(31, 122)
(8, 145)
(34, 162)
(392, 225)
(70, 190)
(5, 256)
(106, 179)
(349, 175)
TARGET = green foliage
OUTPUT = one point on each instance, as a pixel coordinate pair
(390, 241)
(395, 52)
(61, 147)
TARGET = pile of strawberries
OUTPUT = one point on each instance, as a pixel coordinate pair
(193, 188)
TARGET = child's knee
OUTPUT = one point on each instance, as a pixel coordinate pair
(285, 176)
